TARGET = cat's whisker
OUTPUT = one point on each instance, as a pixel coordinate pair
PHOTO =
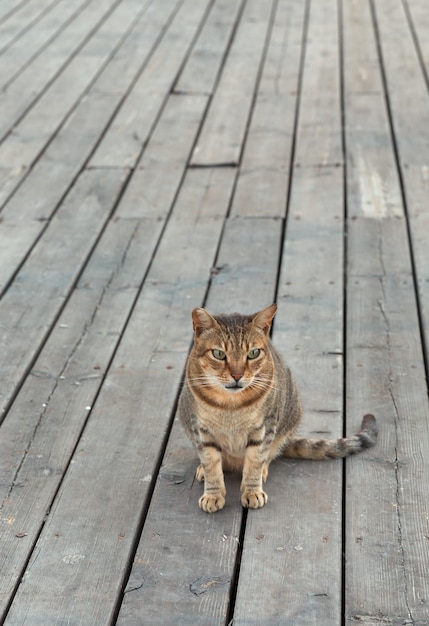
(263, 382)
(261, 385)
(205, 381)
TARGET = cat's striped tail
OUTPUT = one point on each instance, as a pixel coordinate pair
(319, 449)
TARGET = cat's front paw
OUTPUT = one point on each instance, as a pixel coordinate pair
(212, 503)
(254, 499)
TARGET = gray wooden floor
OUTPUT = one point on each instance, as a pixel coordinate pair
(158, 155)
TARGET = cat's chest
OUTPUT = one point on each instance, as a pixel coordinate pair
(230, 430)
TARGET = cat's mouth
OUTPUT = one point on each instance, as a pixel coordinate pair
(236, 386)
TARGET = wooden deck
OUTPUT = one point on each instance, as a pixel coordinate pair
(158, 155)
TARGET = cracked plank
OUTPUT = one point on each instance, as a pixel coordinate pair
(386, 523)
(406, 64)
(386, 551)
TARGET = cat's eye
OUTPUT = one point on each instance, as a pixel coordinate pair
(253, 354)
(219, 354)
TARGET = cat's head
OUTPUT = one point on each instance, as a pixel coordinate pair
(231, 360)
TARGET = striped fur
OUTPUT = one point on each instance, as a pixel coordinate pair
(241, 408)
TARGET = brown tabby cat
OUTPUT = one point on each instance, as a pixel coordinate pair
(241, 408)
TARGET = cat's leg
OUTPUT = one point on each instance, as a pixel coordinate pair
(199, 474)
(265, 471)
(213, 498)
(255, 470)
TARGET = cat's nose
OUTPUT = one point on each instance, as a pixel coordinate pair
(236, 377)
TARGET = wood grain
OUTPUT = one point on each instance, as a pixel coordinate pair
(262, 186)
(65, 57)
(295, 541)
(55, 401)
(160, 155)
(301, 554)
(220, 142)
(203, 65)
(22, 50)
(384, 356)
(401, 63)
(205, 547)
(43, 283)
(133, 123)
(135, 405)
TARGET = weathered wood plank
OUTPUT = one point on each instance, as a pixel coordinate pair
(24, 217)
(205, 552)
(33, 80)
(157, 176)
(222, 135)
(100, 523)
(131, 127)
(246, 240)
(190, 109)
(387, 541)
(372, 179)
(186, 561)
(21, 21)
(409, 110)
(387, 553)
(385, 368)
(419, 23)
(9, 7)
(264, 173)
(18, 55)
(39, 289)
(84, 548)
(301, 557)
(44, 424)
(140, 44)
(21, 148)
(203, 65)
(319, 142)
(118, 264)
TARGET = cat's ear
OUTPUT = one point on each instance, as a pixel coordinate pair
(263, 318)
(202, 320)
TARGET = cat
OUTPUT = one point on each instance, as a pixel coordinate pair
(241, 408)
